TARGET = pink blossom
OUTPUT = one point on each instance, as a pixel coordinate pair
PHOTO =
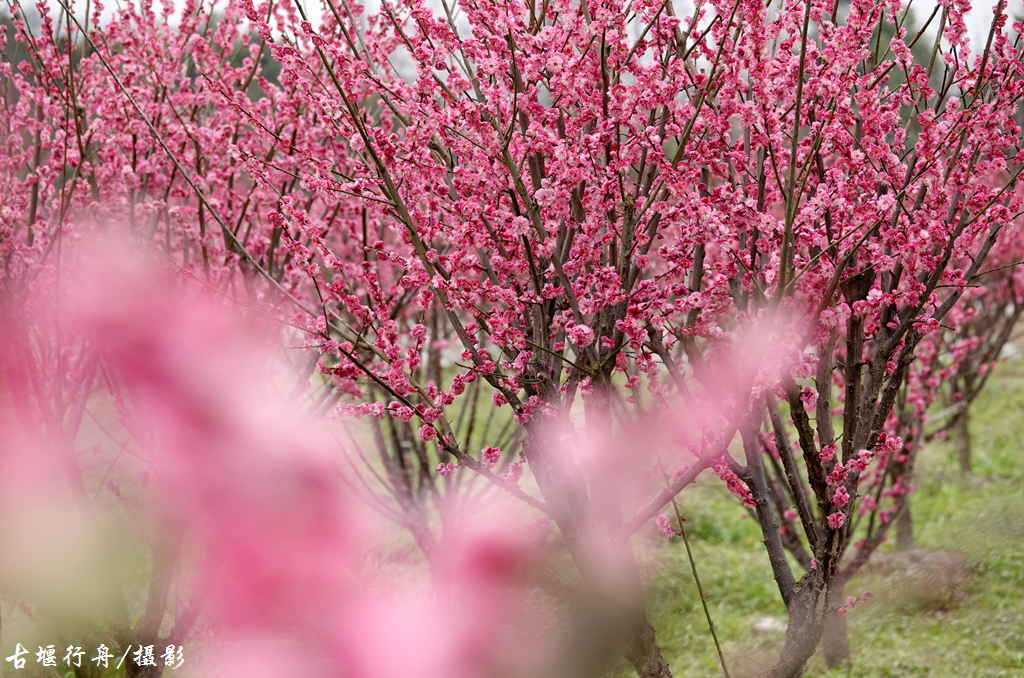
(836, 520)
(868, 503)
(514, 473)
(838, 474)
(665, 525)
(115, 489)
(580, 335)
(490, 456)
(809, 396)
(733, 483)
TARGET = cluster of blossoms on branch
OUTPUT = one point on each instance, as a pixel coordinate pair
(511, 232)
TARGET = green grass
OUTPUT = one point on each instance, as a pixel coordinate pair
(972, 629)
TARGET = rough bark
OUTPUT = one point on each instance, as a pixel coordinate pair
(765, 513)
(807, 610)
(643, 653)
(835, 640)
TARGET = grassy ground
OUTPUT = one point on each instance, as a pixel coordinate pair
(954, 608)
(960, 616)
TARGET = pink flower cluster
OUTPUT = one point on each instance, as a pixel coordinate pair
(665, 525)
(733, 483)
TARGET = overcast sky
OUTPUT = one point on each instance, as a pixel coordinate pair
(978, 20)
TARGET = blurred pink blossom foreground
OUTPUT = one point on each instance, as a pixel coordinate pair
(287, 549)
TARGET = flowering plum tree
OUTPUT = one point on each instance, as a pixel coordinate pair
(591, 200)
(988, 322)
(563, 202)
(964, 348)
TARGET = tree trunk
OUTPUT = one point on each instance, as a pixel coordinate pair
(807, 611)
(905, 528)
(835, 640)
(580, 518)
(644, 655)
(641, 646)
(962, 440)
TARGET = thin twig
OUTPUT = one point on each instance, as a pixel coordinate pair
(696, 577)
